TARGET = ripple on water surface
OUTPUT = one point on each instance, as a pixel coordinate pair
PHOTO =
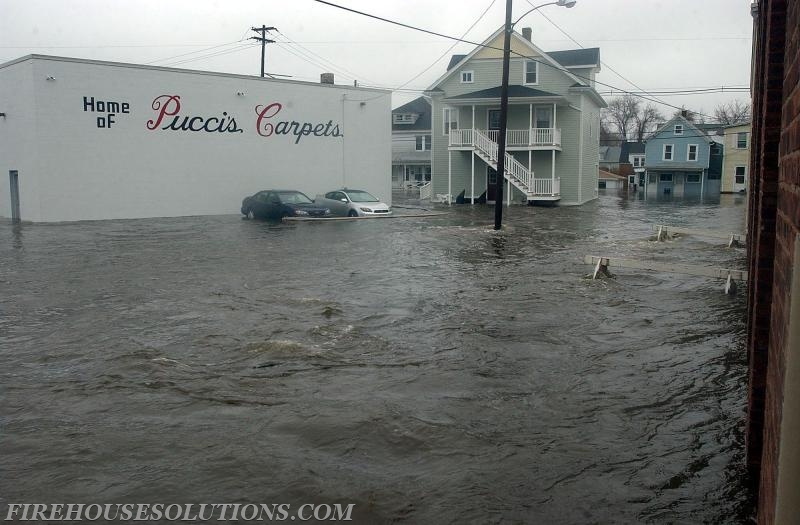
(429, 370)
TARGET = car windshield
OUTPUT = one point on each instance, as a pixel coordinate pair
(293, 197)
(361, 196)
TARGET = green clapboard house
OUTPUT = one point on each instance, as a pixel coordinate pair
(552, 139)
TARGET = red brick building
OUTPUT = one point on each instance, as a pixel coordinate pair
(773, 427)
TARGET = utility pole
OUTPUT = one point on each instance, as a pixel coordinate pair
(501, 139)
(264, 41)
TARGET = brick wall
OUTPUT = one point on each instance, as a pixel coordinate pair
(774, 224)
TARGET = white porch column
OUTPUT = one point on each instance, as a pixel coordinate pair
(449, 176)
(472, 156)
(508, 192)
(530, 129)
(554, 116)
(473, 122)
(553, 172)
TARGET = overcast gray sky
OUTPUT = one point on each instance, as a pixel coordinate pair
(654, 44)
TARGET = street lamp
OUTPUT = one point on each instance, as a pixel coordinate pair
(561, 3)
(501, 139)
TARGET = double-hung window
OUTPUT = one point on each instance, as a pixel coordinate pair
(467, 77)
(740, 173)
(741, 140)
(449, 120)
(668, 151)
(678, 129)
(531, 72)
(691, 153)
(423, 142)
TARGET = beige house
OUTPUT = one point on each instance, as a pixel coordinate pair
(736, 163)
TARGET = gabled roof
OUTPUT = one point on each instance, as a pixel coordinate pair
(630, 148)
(544, 58)
(710, 128)
(577, 57)
(455, 59)
(747, 123)
(610, 154)
(514, 91)
(687, 125)
(420, 106)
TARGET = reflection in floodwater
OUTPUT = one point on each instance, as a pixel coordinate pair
(427, 370)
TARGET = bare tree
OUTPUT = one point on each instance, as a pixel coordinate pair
(735, 112)
(621, 114)
(608, 137)
(646, 120)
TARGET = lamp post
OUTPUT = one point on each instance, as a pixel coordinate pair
(501, 139)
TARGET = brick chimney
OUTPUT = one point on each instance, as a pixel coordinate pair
(527, 33)
(326, 78)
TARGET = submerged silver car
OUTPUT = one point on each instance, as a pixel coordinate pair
(352, 203)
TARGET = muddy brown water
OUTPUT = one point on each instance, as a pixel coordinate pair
(428, 370)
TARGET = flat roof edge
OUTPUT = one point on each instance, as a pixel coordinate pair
(128, 65)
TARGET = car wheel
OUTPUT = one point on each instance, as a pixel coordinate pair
(352, 213)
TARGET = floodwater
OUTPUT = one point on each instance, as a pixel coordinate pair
(428, 370)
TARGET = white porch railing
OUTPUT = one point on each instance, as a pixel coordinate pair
(426, 191)
(461, 137)
(546, 186)
(515, 138)
(515, 171)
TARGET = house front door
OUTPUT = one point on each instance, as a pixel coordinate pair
(491, 184)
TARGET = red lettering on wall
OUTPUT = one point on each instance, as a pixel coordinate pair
(166, 105)
(265, 129)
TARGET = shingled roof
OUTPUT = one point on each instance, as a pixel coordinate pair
(514, 91)
(576, 57)
(421, 107)
(567, 58)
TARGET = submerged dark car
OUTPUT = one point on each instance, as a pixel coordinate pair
(277, 204)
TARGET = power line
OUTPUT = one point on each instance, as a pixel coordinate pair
(581, 46)
(194, 52)
(210, 55)
(448, 49)
(307, 58)
(353, 75)
(530, 58)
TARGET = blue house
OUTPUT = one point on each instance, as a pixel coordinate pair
(682, 161)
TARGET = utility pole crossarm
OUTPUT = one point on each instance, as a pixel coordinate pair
(264, 41)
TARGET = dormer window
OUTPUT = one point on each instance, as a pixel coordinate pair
(404, 118)
(678, 129)
(467, 76)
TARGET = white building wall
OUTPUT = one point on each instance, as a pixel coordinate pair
(17, 138)
(90, 170)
